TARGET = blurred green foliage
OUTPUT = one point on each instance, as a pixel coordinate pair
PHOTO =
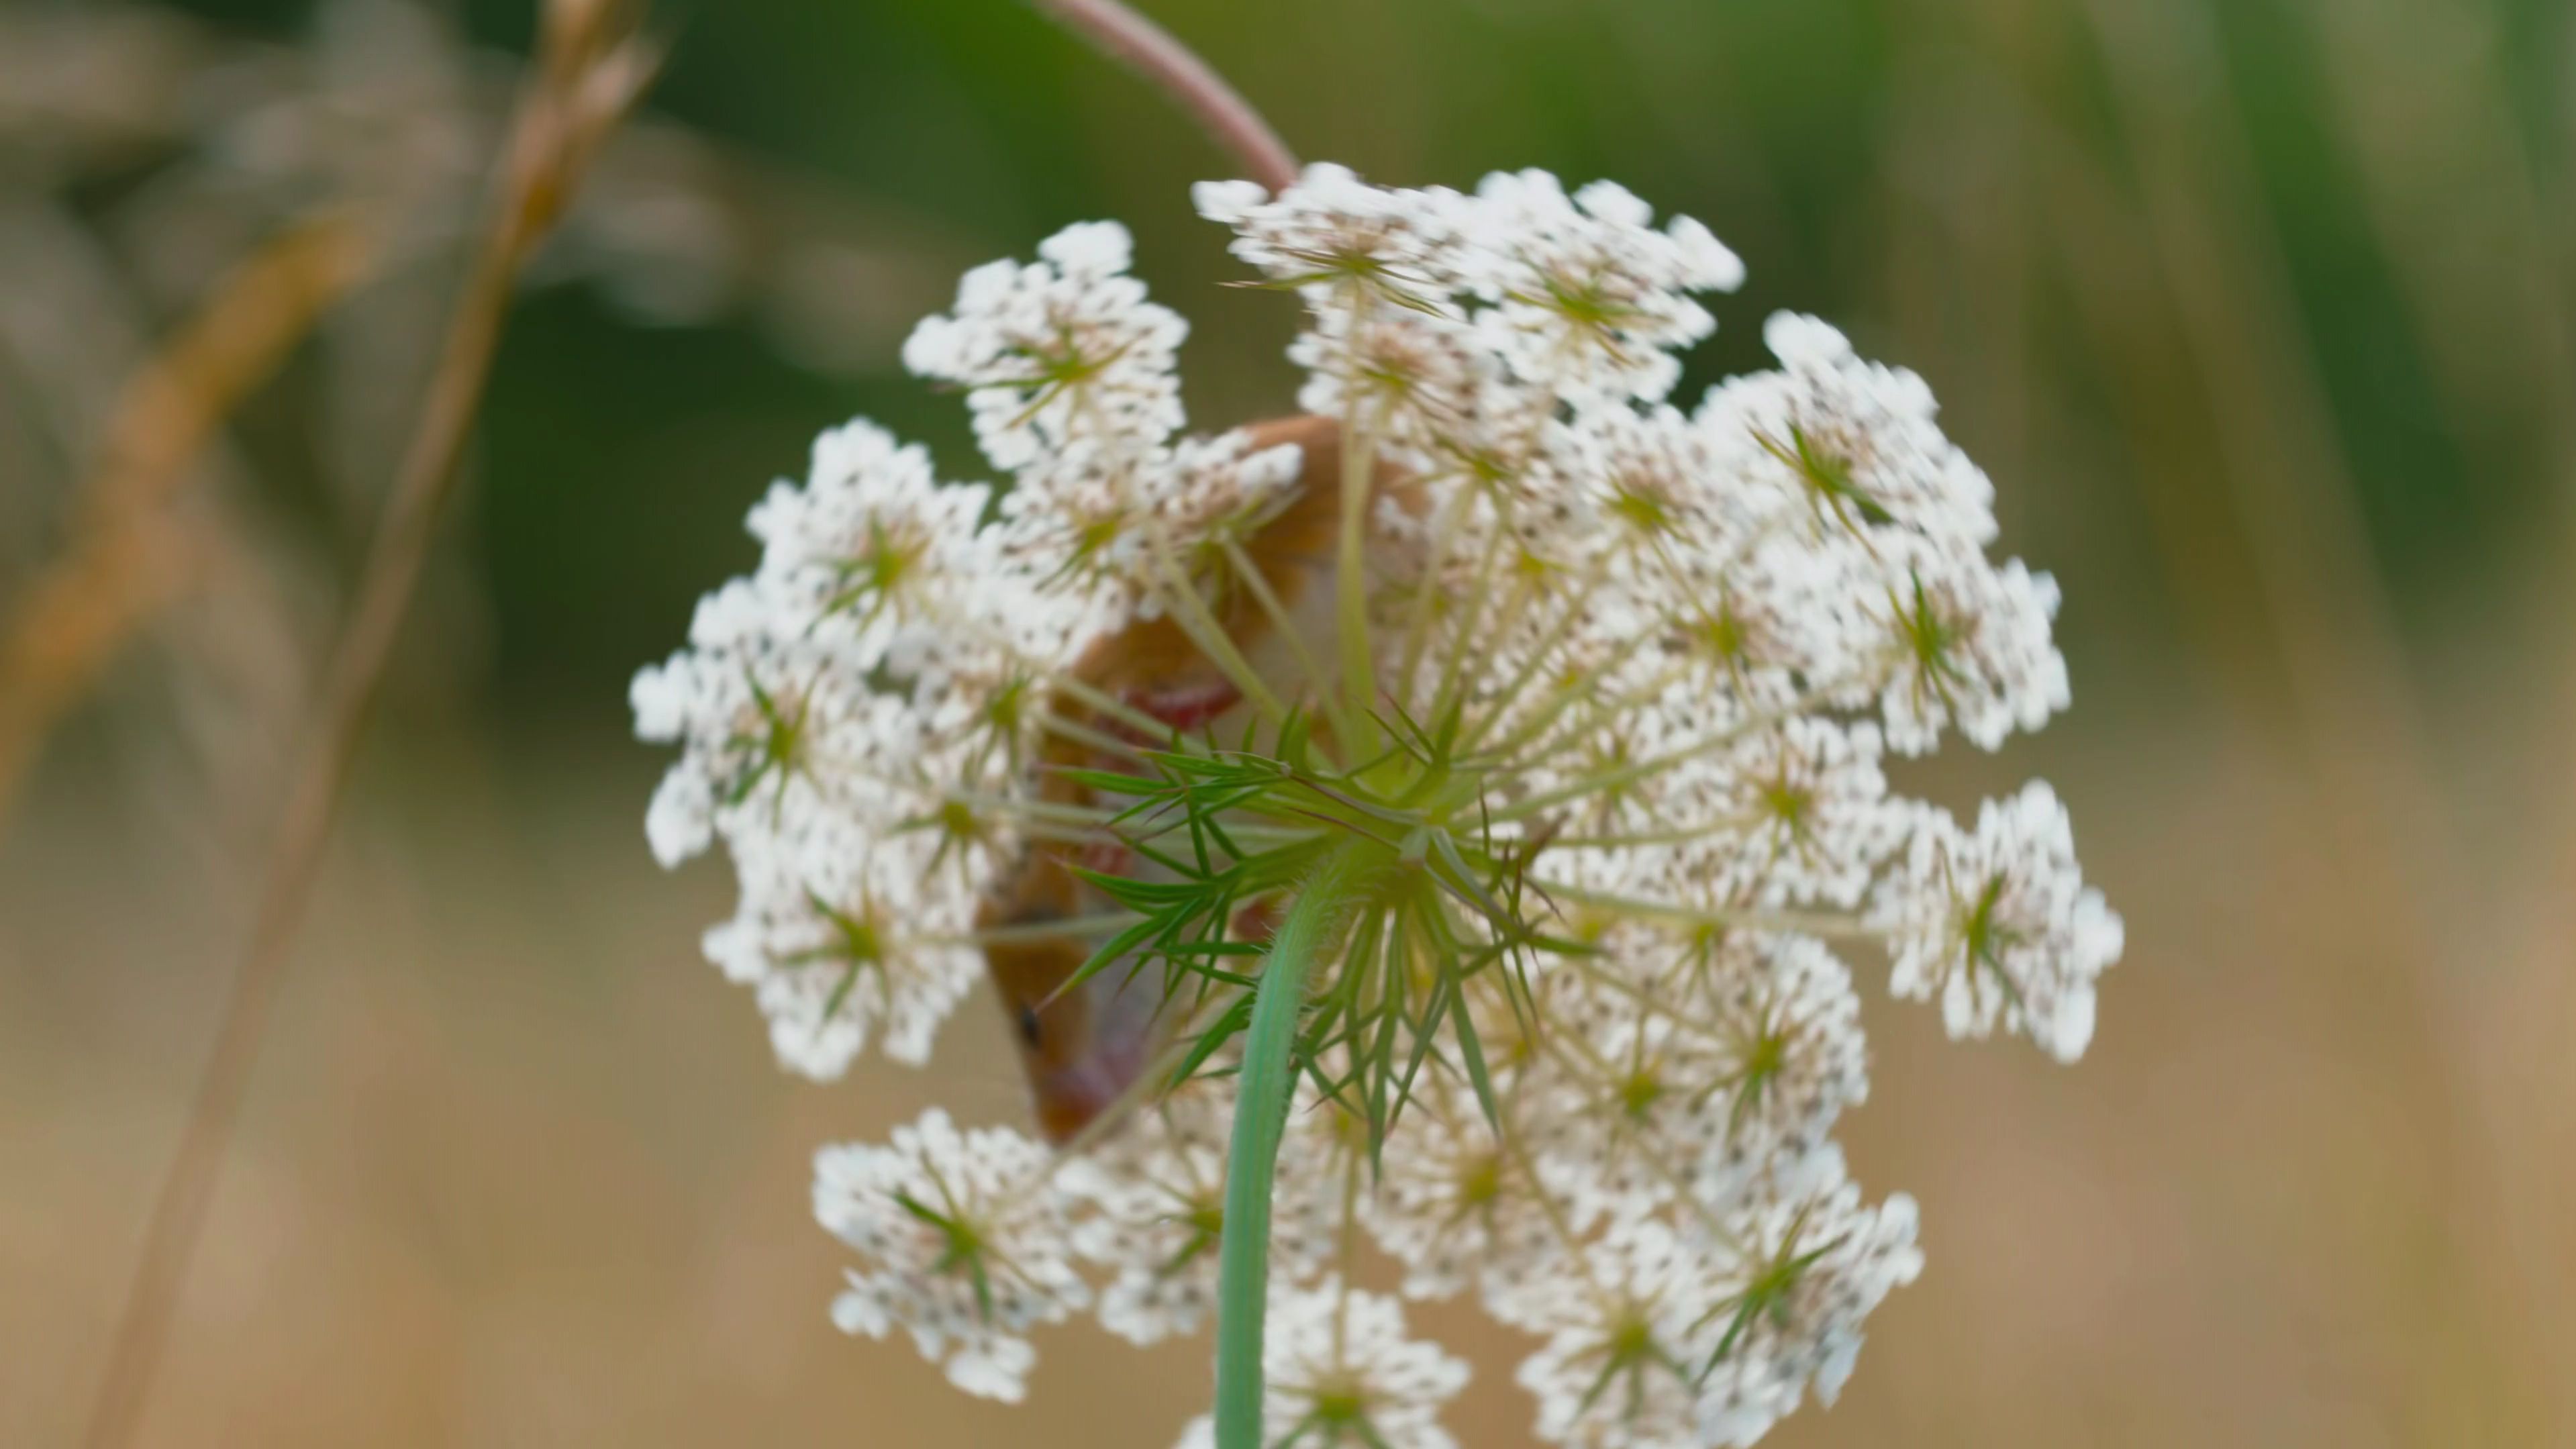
(1898, 165)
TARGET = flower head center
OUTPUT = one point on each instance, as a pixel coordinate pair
(1645, 505)
(1984, 937)
(1826, 474)
(1929, 635)
(1639, 1091)
(1341, 1400)
(1480, 1180)
(962, 1248)
(1788, 803)
(1592, 303)
(879, 572)
(1207, 1219)
(775, 735)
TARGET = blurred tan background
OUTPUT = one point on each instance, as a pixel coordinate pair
(2259, 311)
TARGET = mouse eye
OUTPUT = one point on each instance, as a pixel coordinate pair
(1028, 1024)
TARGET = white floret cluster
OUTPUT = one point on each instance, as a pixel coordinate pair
(1639, 676)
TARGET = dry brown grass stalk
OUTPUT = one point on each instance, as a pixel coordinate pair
(123, 560)
(591, 66)
(2361, 721)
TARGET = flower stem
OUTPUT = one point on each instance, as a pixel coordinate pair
(591, 66)
(1230, 119)
(1260, 1114)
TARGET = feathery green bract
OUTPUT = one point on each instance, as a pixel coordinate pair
(1211, 833)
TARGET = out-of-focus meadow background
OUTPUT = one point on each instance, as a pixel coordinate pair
(2262, 313)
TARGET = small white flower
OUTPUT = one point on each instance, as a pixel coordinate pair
(1815, 821)
(1802, 1265)
(1999, 924)
(1958, 642)
(1620, 1314)
(1336, 238)
(1791, 1055)
(1613, 766)
(1651, 477)
(1584, 297)
(1689, 1065)
(1202, 496)
(1424, 376)
(1846, 446)
(847, 937)
(1155, 1196)
(1453, 1206)
(962, 1242)
(1343, 1375)
(1623, 1113)
(760, 709)
(872, 543)
(1064, 348)
(1761, 628)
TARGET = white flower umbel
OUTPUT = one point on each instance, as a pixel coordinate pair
(1343, 1375)
(847, 940)
(753, 705)
(1584, 296)
(962, 1242)
(1063, 349)
(1622, 1315)
(1816, 818)
(1155, 1208)
(1453, 1207)
(1333, 231)
(1801, 1263)
(1794, 1056)
(1999, 925)
(1965, 644)
(1446, 816)
(1850, 444)
(871, 546)
(1685, 1064)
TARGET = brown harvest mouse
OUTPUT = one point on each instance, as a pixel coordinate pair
(1082, 1049)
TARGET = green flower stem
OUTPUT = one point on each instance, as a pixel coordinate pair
(1260, 1114)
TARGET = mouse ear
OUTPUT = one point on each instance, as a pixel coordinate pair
(1320, 436)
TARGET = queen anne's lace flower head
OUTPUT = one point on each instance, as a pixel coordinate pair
(1598, 707)
(1816, 818)
(1333, 231)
